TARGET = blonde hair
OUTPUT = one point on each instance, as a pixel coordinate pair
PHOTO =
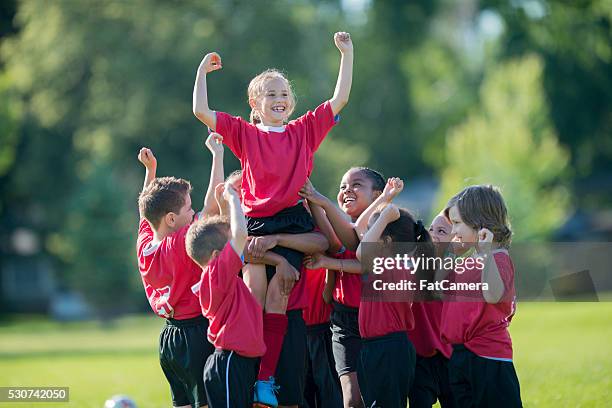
(256, 88)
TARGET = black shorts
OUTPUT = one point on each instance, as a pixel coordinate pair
(346, 341)
(183, 350)
(322, 383)
(292, 220)
(482, 382)
(291, 369)
(431, 383)
(229, 379)
(386, 370)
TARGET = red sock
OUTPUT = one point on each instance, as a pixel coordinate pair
(274, 328)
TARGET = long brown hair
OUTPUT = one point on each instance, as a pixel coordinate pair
(482, 206)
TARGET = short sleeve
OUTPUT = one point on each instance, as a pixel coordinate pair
(223, 270)
(145, 235)
(232, 128)
(317, 124)
(506, 272)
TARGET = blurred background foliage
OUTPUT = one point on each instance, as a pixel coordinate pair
(515, 93)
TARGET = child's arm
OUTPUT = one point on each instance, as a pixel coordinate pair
(490, 272)
(211, 62)
(320, 219)
(307, 243)
(288, 275)
(387, 216)
(238, 226)
(146, 157)
(344, 229)
(345, 75)
(330, 284)
(317, 261)
(393, 187)
(214, 142)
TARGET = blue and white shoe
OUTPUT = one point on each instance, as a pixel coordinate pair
(265, 394)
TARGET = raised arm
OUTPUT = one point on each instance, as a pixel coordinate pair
(345, 75)
(214, 142)
(393, 187)
(387, 216)
(320, 219)
(148, 160)
(343, 228)
(490, 272)
(211, 62)
(238, 225)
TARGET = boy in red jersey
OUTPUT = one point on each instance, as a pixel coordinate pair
(235, 316)
(481, 372)
(168, 274)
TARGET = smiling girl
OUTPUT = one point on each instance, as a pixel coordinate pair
(276, 156)
(481, 372)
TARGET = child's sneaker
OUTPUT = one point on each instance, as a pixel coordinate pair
(265, 394)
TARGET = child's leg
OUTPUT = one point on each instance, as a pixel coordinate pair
(274, 326)
(254, 277)
(346, 345)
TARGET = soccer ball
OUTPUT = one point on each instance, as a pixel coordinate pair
(119, 401)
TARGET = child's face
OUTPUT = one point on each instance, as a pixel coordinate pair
(440, 229)
(274, 104)
(356, 193)
(185, 214)
(461, 232)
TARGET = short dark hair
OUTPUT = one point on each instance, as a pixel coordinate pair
(161, 196)
(205, 236)
(377, 179)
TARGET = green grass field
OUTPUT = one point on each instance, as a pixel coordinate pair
(563, 356)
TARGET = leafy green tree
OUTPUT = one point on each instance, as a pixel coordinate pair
(509, 142)
(574, 41)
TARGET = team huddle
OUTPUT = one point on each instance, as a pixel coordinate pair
(261, 289)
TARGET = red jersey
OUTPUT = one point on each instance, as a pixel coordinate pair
(317, 311)
(167, 273)
(298, 297)
(426, 333)
(480, 326)
(386, 311)
(235, 317)
(275, 162)
(348, 285)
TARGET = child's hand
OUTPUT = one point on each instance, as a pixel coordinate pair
(229, 192)
(219, 189)
(485, 239)
(214, 142)
(211, 62)
(343, 42)
(390, 213)
(146, 157)
(393, 187)
(314, 261)
(258, 246)
(287, 276)
(313, 196)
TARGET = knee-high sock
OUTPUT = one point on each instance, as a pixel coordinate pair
(274, 328)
